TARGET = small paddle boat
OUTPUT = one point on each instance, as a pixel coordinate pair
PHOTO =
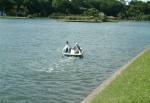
(73, 53)
(76, 51)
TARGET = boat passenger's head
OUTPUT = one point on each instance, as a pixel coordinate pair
(67, 42)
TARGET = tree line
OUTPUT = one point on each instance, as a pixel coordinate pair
(136, 10)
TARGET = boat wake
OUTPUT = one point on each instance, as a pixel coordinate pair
(60, 65)
(44, 65)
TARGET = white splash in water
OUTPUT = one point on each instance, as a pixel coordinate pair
(61, 63)
(50, 70)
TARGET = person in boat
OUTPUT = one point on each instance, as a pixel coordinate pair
(67, 48)
(77, 48)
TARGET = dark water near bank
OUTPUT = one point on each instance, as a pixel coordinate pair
(32, 69)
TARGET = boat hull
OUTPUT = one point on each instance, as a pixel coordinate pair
(73, 55)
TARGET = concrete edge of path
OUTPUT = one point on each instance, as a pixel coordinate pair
(102, 86)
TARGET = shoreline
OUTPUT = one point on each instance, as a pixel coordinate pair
(75, 20)
(15, 17)
(63, 18)
(108, 81)
(88, 21)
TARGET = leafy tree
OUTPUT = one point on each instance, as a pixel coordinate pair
(6, 5)
(135, 10)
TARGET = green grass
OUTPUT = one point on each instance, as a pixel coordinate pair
(132, 86)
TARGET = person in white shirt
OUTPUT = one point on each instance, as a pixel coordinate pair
(67, 48)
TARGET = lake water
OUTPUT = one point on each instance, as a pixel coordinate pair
(32, 69)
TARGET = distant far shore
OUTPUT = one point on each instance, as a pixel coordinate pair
(85, 18)
(17, 17)
(72, 18)
(13, 17)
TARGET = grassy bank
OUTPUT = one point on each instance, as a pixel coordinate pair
(132, 86)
